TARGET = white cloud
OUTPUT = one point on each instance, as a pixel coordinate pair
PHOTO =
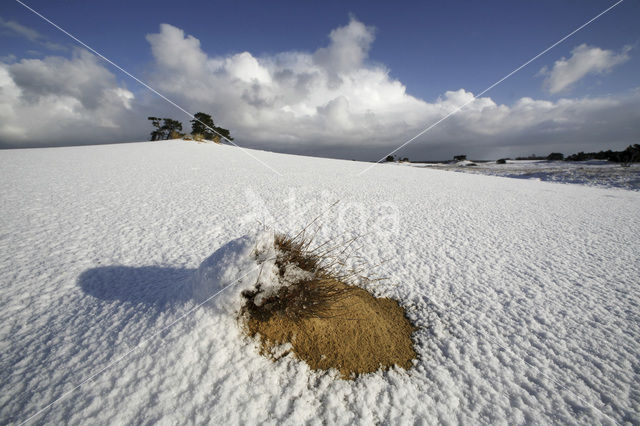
(334, 98)
(56, 100)
(172, 49)
(584, 60)
(348, 48)
(330, 94)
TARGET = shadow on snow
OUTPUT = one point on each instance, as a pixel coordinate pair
(149, 285)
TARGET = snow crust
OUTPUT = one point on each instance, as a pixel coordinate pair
(599, 173)
(235, 267)
(526, 292)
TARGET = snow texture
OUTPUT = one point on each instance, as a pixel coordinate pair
(234, 268)
(600, 173)
(526, 292)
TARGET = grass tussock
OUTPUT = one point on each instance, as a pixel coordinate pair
(328, 321)
(314, 295)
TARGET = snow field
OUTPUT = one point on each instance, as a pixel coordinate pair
(527, 292)
(598, 173)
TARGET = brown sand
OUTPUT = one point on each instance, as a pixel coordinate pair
(357, 334)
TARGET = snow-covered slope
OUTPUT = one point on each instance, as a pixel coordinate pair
(527, 293)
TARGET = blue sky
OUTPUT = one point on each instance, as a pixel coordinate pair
(428, 48)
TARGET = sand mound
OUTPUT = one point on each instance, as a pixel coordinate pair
(356, 334)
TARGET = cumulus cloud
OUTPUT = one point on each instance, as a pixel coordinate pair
(332, 101)
(292, 97)
(15, 28)
(584, 60)
(348, 48)
(57, 100)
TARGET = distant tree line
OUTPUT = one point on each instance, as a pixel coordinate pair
(630, 155)
(532, 157)
(202, 127)
(391, 158)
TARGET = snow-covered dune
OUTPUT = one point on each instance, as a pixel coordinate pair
(526, 293)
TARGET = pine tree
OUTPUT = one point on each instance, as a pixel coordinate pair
(156, 134)
(169, 128)
(224, 132)
(203, 126)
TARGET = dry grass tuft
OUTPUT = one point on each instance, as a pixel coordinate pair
(315, 296)
(175, 135)
(329, 322)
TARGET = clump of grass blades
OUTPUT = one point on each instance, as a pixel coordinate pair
(327, 281)
(303, 299)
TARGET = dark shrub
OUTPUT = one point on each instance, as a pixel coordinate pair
(555, 156)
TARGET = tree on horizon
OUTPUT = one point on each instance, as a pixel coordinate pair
(156, 134)
(169, 127)
(203, 125)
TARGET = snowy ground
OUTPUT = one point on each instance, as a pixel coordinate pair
(593, 173)
(527, 292)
